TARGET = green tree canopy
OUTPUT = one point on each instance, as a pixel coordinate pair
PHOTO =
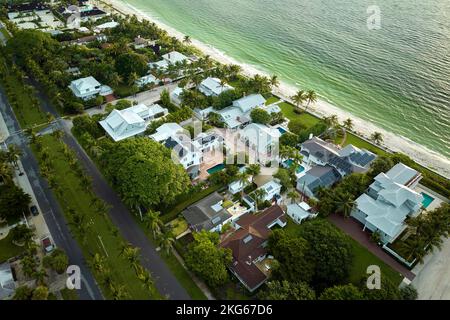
(129, 63)
(207, 260)
(292, 254)
(284, 290)
(144, 173)
(13, 201)
(261, 116)
(342, 292)
(330, 250)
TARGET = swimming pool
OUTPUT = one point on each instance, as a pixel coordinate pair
(427, 199)
(282, 131)
(216, 168)
(288, 164)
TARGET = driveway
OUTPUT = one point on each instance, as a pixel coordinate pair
(433, 276)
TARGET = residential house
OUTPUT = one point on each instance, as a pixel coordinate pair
(238, 186)
(105, 26)
(262, 140)
(213, 87)
(327, 164)
(238, 115)
(7, 283)
(166, 130)
(185, 152)
(203, 114)
(389, 200)
(85, 88)
(170, 58)
(299, 212)
(140, 43)
(208, 141)
(122, 124)
(145, 80)
(272, 193)
(207, 214)
(175, 96)
(248, 244)
(88, 39)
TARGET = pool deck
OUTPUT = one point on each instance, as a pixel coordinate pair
(210, 159)
(438, 199)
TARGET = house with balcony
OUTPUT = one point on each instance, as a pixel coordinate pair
(185, 153)
(248, 244)
(238, 114)
(88, 88)
(389, 201)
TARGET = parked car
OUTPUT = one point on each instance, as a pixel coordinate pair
(34, 210)
(47, 244)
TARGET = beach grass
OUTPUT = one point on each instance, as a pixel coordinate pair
(100, 237)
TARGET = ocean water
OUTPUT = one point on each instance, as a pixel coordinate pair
(397, 77)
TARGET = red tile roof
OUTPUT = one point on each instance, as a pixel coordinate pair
(247, 242)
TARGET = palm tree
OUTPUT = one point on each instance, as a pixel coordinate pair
(298, 98)
(253, 170)
(345, 204)
(259, 194)
(293, 195)
(5, 172)
(274, 82)
(187, 39)
(132, 78)
(118, 292)
(310, 97)
(166, 241)
(98, 263)
(377, 137)
(243, 180)
(153, 222)
(58, 134)
(13, 154)
(331, 121)
(50, 117)
(146, 279)
(131, 254)
(348, 124)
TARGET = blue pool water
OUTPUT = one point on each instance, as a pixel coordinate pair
(288, 163)
(216, 168)
(427, 199)
(282, 131)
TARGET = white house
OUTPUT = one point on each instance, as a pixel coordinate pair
(389, 200)
(208, 141)
(213, 87)
(238, 186)
(122, 124)
(262, 140)
(146, 80)
(104, 26)
(299, 212)
(85, 88)
(166, 130)
(238, 115)
(170, 58)
(140, 43)
(203, 114)
(175, 96)
(186, 153)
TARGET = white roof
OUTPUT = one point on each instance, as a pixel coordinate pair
(156, 109)
(230, 116)
(273, 109)
(107, 25)
(85, 83)
(249, 102)
(299, 210)
(165, 131)
(272, 187)
(213, 85)
(161, 64)
(177, 91)
(146, 80)
(174, 57)
(401, 173)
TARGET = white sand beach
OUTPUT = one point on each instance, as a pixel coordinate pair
(394, 142)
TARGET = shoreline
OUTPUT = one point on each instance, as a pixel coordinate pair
(422, 155)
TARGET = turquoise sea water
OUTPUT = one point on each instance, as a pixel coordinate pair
(397, 77)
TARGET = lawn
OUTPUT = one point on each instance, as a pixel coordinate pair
(100, 237)
(306, 118)
(20, 99)
(271, 100)
(8, 249)
(362, 259)
(179, 226)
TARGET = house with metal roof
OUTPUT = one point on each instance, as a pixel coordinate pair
(213, 87)
(145, 80)
(170, 58)
(248, 244)
(207, 214)
(126, 123)
(165, 131)
(85, 88)
(299, 212)
(388, 201)
(250, 102)
(185, 152)
(315, 178)
(238, 115)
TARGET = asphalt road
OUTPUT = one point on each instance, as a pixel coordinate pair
(165, 281)
(50, 208)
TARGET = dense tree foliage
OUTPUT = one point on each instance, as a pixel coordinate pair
(143, 172)
(57, 261)
(261, 116)
(14, 201)
(284, 290)
(207, 260)
(129, 63)
(342, 292)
